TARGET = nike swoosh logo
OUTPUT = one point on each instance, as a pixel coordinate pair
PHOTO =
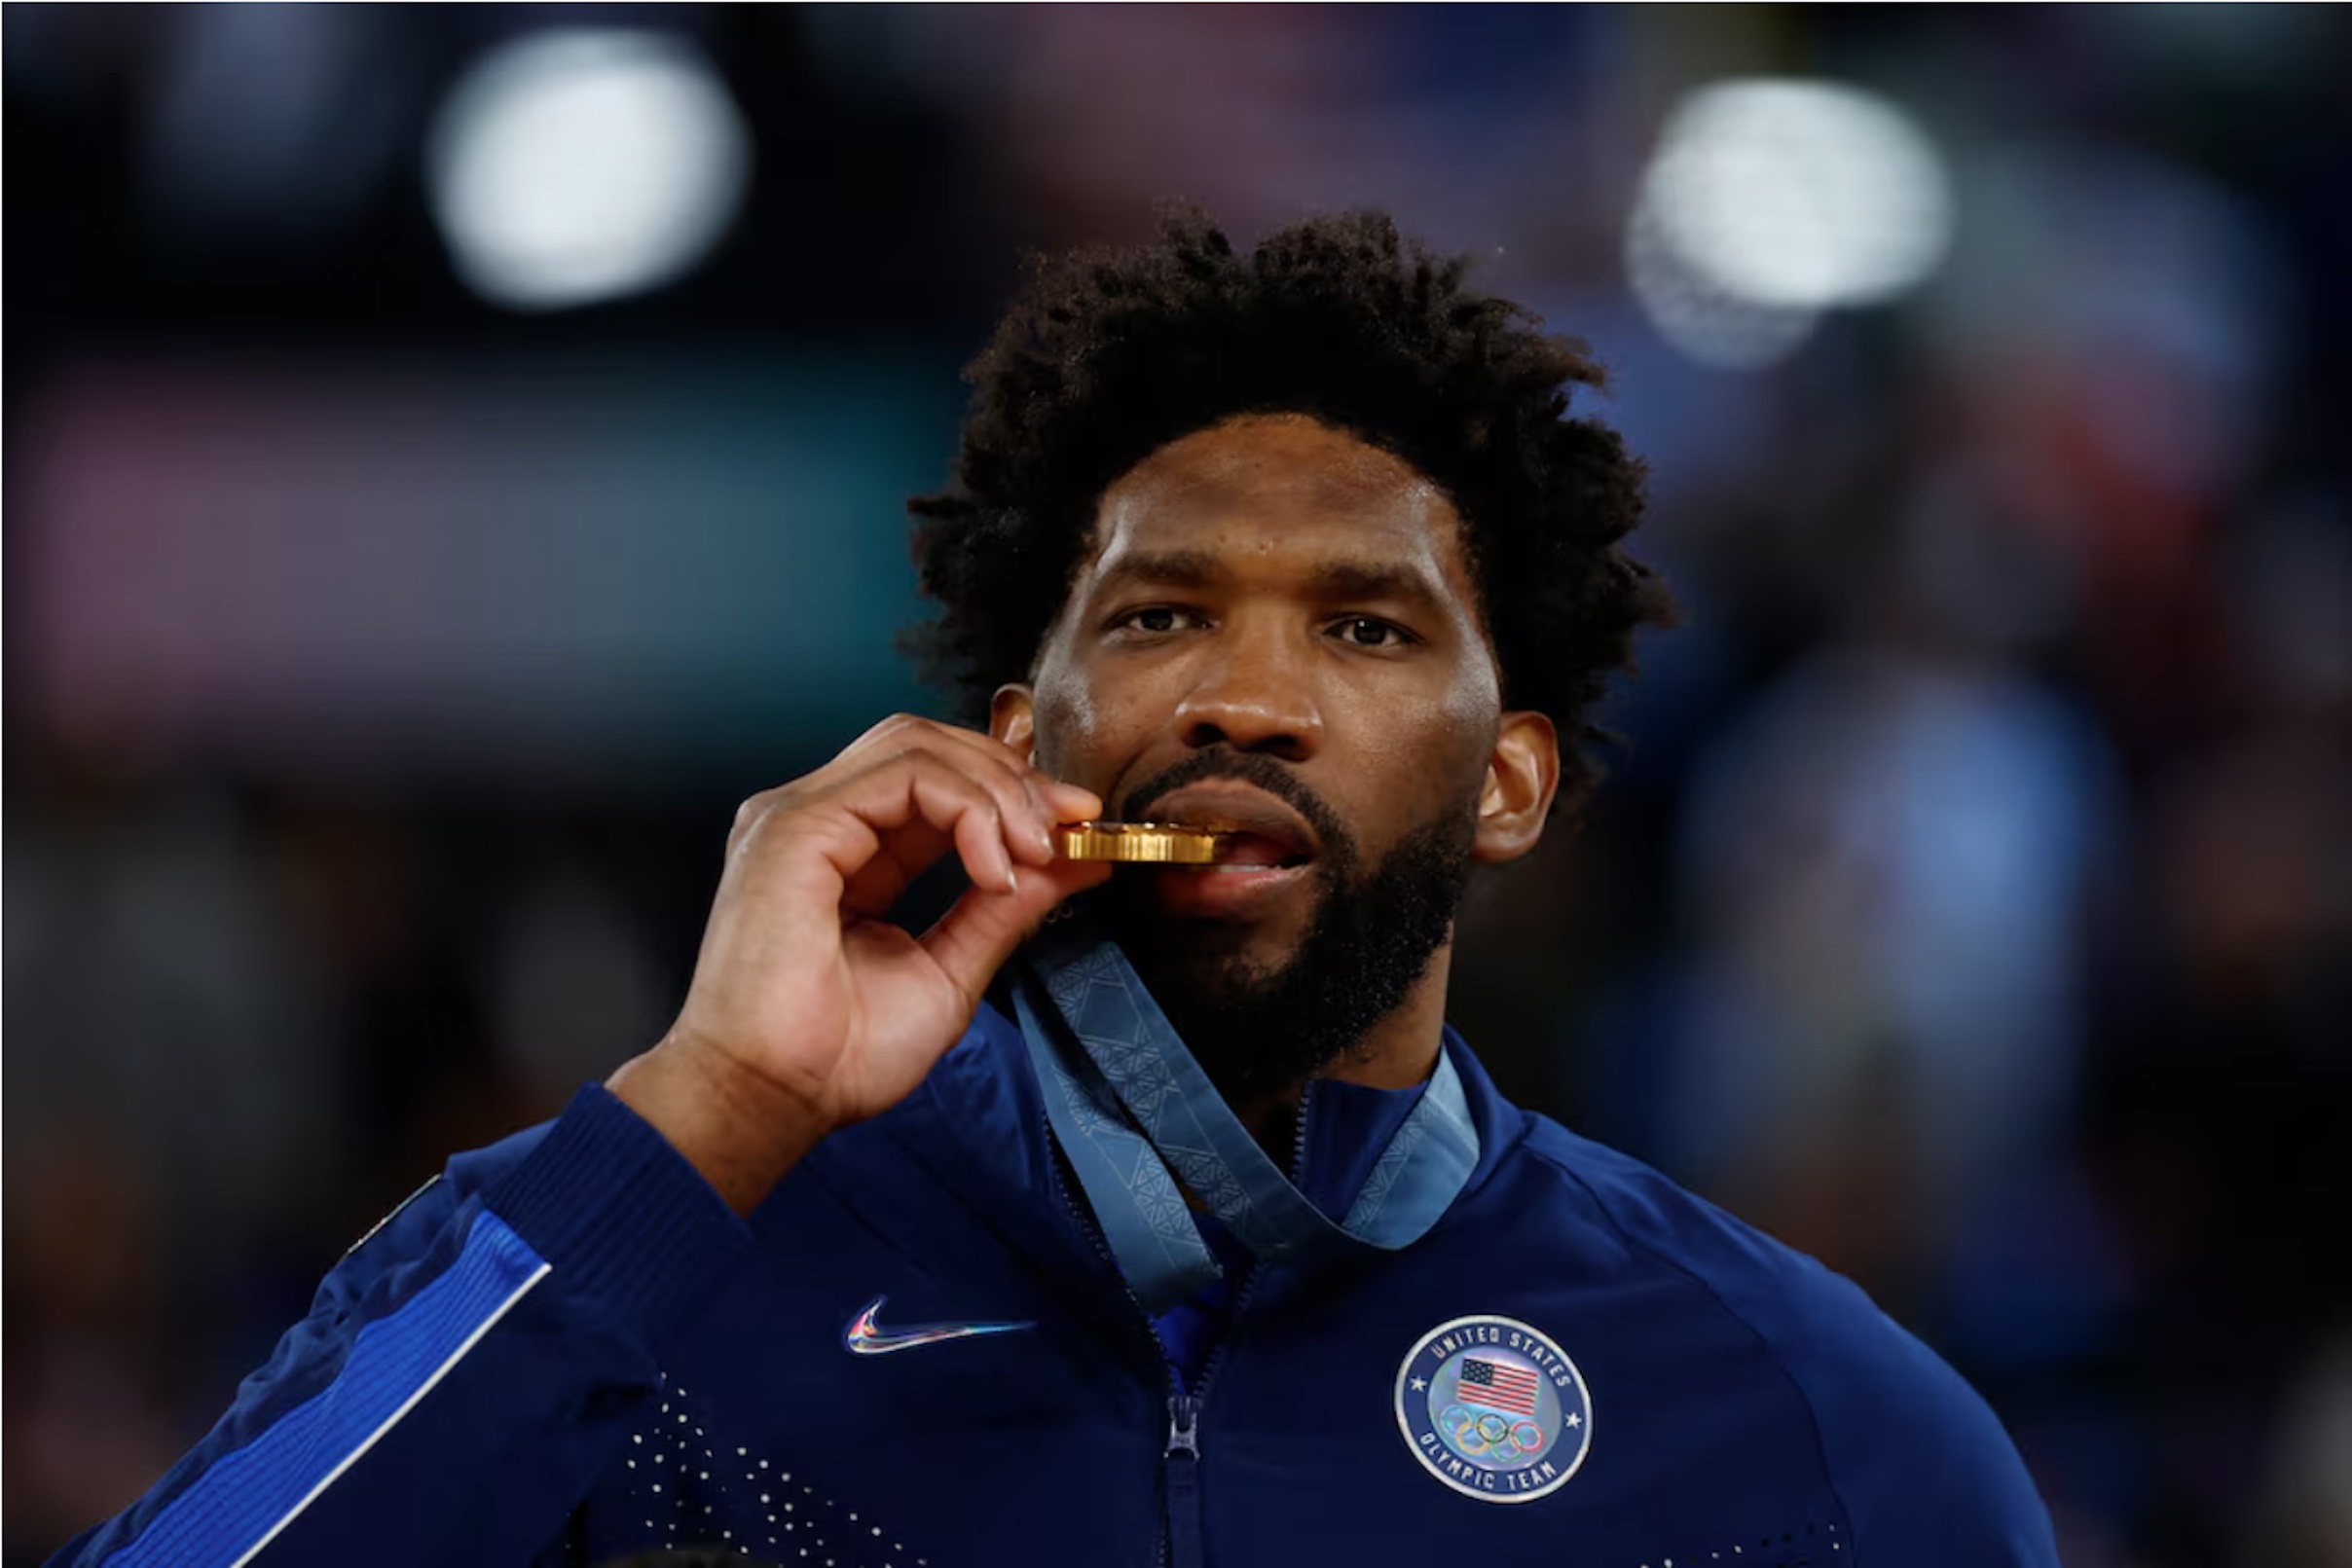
(864, 1336)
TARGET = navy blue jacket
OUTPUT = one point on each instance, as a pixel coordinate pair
(569, 1349)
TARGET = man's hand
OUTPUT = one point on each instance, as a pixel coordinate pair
(809, 1010)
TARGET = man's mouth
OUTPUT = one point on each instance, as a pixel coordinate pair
(1265, 858)
(1260, 831)
(1256, 851)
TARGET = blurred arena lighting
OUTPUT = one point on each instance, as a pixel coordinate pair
(268, 129)
(1768, 201)
(1699, 315)
(576, 165)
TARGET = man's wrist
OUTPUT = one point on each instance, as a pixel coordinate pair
(742, 1132)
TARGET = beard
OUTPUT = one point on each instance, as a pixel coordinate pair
(1258, 1029)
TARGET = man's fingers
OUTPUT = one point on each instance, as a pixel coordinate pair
(970, 813)
(991, 760)
(979, 837)
(903, 794)
(902, 857)
(797, 959)
(904, 813)
(1022, 819)
(972, 940)
(1032, 800)
(1072, 803)
(992, 822)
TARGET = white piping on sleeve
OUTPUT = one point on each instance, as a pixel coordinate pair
(422, 1389)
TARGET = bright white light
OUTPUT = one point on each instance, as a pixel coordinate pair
(1770, 201)
(1697, 315)
(576, 165)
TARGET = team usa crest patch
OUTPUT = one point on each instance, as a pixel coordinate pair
(1494, 1409)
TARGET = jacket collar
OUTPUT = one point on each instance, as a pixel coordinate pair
(978, 1123)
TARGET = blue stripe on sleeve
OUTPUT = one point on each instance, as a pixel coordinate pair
(246, 1497)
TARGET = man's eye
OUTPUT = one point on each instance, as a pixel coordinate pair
(1156, 618)
(1364, 632)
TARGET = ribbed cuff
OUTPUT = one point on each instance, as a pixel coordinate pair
(622, 1217)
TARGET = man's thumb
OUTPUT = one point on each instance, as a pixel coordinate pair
(973, 940)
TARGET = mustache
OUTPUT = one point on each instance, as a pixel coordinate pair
(1250, 768)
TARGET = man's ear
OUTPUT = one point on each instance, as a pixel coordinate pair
(1012, 718)
(1521, 776)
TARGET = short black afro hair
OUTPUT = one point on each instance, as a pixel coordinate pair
(1107, 355)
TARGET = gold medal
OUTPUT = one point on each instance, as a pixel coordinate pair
(1149, 843)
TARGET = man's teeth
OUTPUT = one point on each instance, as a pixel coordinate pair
(1256, 853)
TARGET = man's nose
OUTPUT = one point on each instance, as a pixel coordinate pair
(1255, 694)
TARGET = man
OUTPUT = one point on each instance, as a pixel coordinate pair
(967, 1246)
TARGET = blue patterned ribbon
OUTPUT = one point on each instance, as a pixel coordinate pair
(1128, 1103)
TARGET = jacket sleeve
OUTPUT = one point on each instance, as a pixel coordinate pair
(1927, 1475)
(464, 1373)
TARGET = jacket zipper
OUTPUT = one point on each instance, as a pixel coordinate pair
(1180, 1544)
(1102, 1250)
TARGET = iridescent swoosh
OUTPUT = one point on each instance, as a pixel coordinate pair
(866, 1337)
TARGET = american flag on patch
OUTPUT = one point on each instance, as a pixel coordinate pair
(1498, 1386)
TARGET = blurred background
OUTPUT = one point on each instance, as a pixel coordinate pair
(453, 456)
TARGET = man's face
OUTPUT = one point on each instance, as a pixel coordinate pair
(1277, 631)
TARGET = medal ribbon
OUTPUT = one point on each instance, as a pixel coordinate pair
(1127, 1102)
